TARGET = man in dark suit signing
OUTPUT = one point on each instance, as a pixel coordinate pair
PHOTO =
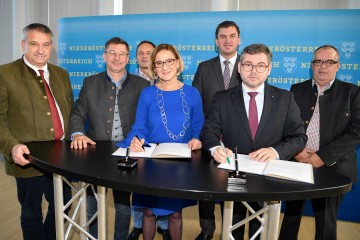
(108, 100)
(216, 74)
(331, 112)
(35, 103)
(260, 120)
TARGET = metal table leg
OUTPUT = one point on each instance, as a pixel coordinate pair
(59, 205)
(101, 191)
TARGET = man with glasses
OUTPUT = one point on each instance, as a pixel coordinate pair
(330, 110)
(216, 74)
(260, 120)
(107, 102)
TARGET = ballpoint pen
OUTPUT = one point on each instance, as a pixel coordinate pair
(236, 162)
(127, 154)
(223, 148)
(142, 146)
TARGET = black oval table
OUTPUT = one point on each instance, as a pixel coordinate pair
(196, 178)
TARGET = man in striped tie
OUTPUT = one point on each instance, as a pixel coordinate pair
(213, 75)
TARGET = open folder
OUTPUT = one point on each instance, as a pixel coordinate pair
(295, 171)
(161, 150)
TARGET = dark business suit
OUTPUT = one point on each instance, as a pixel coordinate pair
(339, 137)
(280, 127)
(209, 80)
(96, 105)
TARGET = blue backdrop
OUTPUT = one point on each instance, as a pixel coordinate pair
(291, 35)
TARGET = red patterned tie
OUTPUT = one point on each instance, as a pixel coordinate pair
(253, 114)
(59, 132)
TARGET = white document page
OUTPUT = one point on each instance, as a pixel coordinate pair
(301, 172)
(146, 154)
(295, 171)
(172, 150)
(245, 164)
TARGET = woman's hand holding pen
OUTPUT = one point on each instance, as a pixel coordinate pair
(220, 156)
(136, 144)
(194, 144)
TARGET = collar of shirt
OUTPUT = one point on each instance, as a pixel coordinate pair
(139, 73)
(231, 65)
(260, 90)
(46, 76)
(45, 68)
(326, 87)
(259, 98)
(120, 82)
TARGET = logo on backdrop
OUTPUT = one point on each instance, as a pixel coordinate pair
(346, 78)
(187, 59)
(63, 46)
(348, 49)
(99, 61)
(290, 64)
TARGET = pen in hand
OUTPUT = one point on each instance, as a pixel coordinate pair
(223, 148)
(142, 146)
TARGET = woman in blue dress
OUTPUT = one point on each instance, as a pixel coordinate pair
(168, 111)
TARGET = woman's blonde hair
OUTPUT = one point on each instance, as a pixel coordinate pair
(156, 50)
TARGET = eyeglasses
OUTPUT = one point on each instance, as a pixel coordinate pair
(113, 54)
(168, 62)
(328, 63)
(260, 68)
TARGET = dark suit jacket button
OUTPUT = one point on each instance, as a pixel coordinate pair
(107, 132)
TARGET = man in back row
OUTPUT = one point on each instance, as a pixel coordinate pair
(216, 74)
(35, 103)
(143, 53)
